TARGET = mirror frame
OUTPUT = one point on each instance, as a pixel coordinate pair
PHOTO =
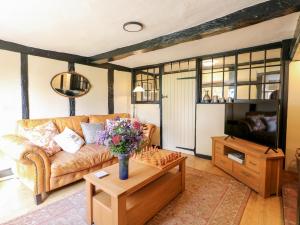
(75, 73)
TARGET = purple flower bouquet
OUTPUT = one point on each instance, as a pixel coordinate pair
(122, 137)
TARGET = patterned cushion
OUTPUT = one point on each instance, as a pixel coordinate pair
(69, 141)
(43, 136)
(90, 131)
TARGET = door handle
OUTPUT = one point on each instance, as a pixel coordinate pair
(164, 96)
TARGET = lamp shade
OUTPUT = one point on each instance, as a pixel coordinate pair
(138, 89)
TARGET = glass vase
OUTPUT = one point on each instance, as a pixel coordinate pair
(123, 166)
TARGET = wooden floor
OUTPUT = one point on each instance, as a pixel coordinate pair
(16, 199)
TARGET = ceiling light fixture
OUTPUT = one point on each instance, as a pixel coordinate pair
(133, 26)
(209, 62)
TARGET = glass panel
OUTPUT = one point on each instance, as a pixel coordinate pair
(229, 77)
(207, 64)
(192, 64)
(257, 74)
(138, 96)
(272, 91)
(167, 67)
(228, 92)
(273, 74)
(156, 70)
(218, 64)
(258, 59)
(151, 95)
(244, 60)
(184, 65)
(243, 75)
(144, 77)
(139, 77)
(243, 92)
(157, 83)
(256, 91)
(229, 63)
(204, 91)
(273, 53)
(217, 91)
(144, 96)
(175, 66)
(218, 78)
(206, 78)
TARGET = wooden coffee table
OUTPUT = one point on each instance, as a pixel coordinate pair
(112, 201)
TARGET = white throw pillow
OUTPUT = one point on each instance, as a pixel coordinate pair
(69, 141)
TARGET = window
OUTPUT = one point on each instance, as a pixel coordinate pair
(250, 75)
(148, 79)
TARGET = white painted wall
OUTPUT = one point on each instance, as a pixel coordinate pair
(122, 92)
(293, 119)
(43, 101)
(150, 113)
(10, 91)
(209, 122)
(95, 101)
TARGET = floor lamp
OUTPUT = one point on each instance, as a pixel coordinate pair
(138, 89)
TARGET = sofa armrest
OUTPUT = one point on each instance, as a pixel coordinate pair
(22, 151)
(148, 131)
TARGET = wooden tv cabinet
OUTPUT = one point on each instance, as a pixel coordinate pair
(260, 171)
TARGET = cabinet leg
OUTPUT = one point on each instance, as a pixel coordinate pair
(38, 199)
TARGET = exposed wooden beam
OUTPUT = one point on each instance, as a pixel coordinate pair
(239, 19)
(11, 46)
(72, 101)
(24, 86)
(110, 83)
(295, 47)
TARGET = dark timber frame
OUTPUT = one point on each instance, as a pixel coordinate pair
(24, 86)
(72, 101)
(110, 81)
(285, 60)
(239, 19)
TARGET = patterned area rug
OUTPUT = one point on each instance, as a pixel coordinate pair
(289, 200)
(209, 199)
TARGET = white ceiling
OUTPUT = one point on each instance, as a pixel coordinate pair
(263, 33)
(89, 27)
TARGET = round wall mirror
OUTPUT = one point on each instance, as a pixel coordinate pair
(70, 84)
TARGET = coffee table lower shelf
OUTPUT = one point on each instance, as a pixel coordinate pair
(143, 204)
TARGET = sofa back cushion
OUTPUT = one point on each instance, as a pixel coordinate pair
(103, 118)
(72, 122)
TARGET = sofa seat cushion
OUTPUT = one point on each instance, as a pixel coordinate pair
(88, 156)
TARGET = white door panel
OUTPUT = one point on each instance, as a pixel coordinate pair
(178, 111)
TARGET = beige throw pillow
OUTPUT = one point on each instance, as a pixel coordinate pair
(43, 136)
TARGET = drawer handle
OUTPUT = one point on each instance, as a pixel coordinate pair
(252, 163)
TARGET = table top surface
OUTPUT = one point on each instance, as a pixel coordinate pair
(139, 176)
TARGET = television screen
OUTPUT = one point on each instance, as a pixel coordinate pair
(256, 122)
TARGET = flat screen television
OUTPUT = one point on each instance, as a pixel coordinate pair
(256, 122)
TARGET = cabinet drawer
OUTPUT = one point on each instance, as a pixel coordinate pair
(223, 162)
(246, 176)
(253, 163)
(219, 148)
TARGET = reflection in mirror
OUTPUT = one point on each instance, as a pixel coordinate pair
(70, 84)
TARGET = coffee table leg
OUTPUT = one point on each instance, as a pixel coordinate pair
(118, 206)
(90, 190)
(182, 170)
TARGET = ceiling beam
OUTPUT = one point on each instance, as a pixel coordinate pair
(239, 19)
(295, 46)
(11, 46)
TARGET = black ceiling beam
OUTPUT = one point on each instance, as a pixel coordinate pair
(295, 47)
(239, 19)
(11, 46)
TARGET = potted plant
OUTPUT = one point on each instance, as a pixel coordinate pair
(122, 137)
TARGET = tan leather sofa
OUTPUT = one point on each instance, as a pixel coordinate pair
(42, 173)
